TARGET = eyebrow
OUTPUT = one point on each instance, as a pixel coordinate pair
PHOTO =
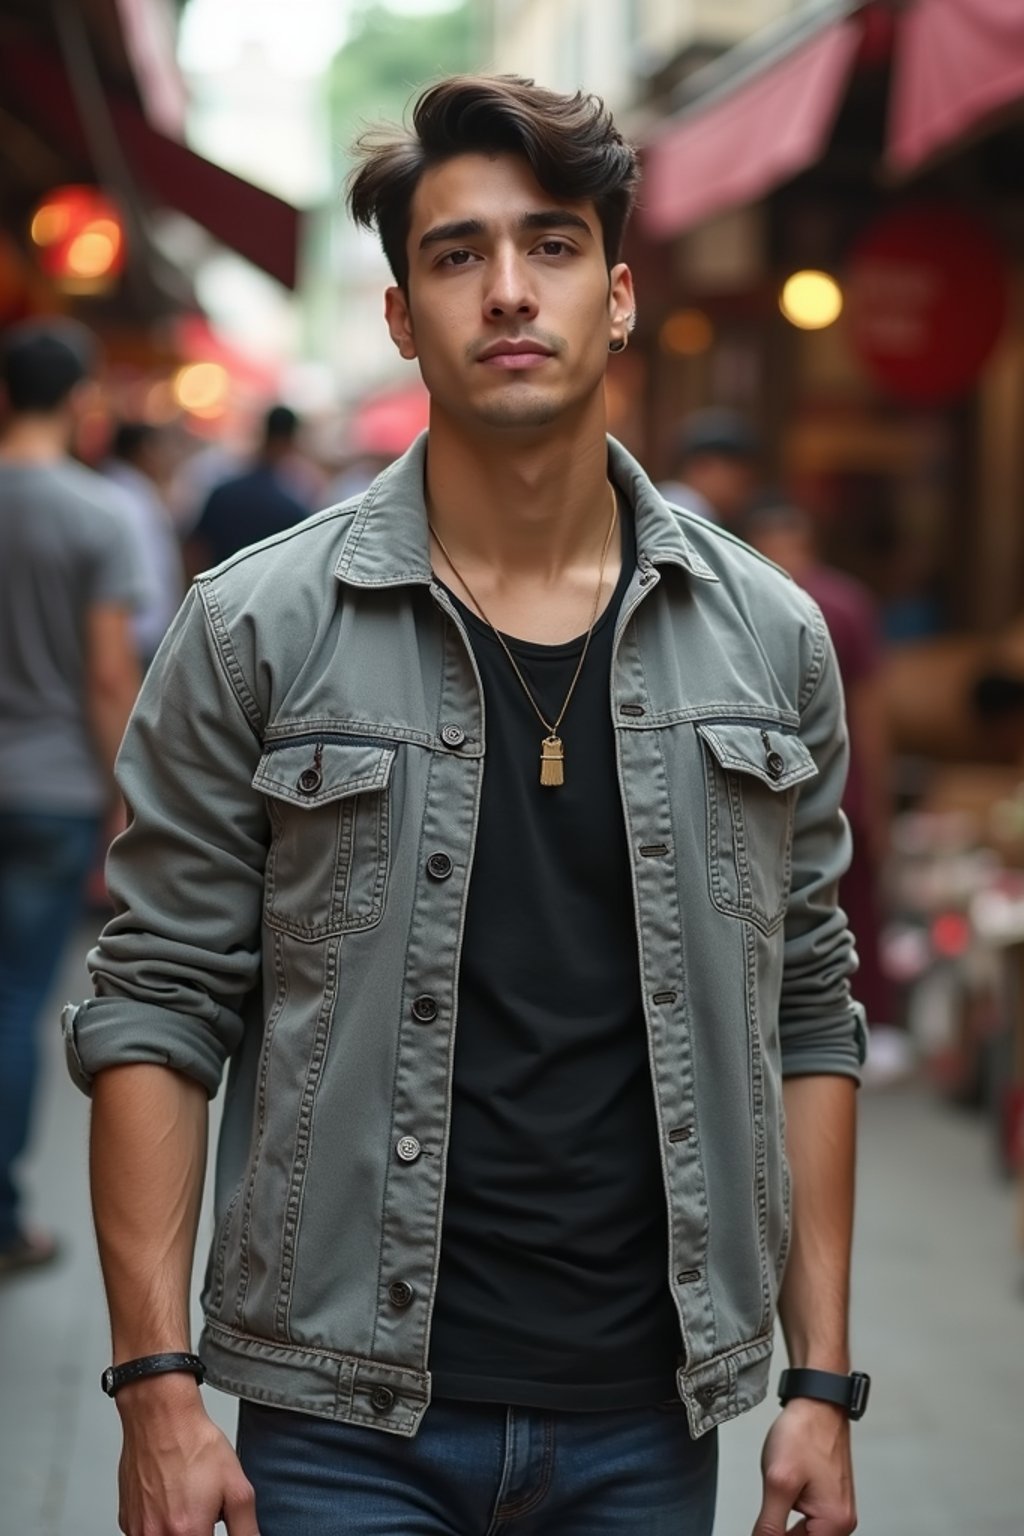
(468, 229)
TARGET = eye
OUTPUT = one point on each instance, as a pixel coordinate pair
(554, 247)
(456, 259)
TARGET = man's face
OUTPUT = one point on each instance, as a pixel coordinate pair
(510, 306)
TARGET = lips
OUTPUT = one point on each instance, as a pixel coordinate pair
(515, 355)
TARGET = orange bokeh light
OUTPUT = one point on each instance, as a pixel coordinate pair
(79, 239)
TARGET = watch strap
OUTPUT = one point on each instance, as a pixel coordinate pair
(117, 1376)
(847, 1392)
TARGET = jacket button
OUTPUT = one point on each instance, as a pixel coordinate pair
(400, 1293)
(408, 1149)
(707, 1395)
(452, 735)
(310, 780)
(776, 765)
(439, 866)
(424, 1009)
(382, 1399)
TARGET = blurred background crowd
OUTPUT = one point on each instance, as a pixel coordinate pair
(828, 359)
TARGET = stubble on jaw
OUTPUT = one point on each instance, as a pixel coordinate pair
(510, 412)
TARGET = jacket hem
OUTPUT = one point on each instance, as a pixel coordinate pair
(348, 1388)
(727, 1385)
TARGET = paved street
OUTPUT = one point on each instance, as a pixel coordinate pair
(939, 1321)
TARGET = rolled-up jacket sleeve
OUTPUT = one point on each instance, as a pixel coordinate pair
(174, 964)
(821, 1028)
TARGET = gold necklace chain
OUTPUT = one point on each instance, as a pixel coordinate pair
(552, 752)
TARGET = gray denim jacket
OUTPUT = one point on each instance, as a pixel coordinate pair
(303, 770)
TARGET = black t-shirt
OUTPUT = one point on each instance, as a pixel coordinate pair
(244, 510)
(553, 1288)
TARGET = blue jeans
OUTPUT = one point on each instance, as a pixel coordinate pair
(44, 861)
(480, 1470)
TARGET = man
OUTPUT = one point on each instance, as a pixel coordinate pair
(138, 464)
(253, 505)
(505, 740)
(68, 677)
(715, 466)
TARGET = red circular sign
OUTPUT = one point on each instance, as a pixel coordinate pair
(927, 301)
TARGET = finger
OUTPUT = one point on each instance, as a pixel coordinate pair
(775, 1510)
(239, 1512)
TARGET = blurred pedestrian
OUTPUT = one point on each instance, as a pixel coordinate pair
(715, 466)
(528, 1269)
(139, 462)
(253, 505)
(68, 678)
(786, 534)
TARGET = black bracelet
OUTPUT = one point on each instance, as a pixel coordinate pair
(117, 1376)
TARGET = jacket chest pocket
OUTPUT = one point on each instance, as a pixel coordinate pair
(753, 777)
(329, 804)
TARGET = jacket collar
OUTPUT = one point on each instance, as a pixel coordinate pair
(386, 543)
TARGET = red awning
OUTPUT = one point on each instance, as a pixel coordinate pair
(956, 62)
(262, 228)
(765, 129)
(259, 226)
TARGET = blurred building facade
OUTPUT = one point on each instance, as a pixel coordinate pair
(877, 144)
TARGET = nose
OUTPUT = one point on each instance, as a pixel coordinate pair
(509, 289)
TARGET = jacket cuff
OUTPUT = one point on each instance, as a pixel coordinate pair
(117, 1032)
(839, 1049)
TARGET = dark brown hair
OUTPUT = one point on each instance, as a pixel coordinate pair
(570, 142)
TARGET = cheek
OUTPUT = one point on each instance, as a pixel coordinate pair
(443, 326)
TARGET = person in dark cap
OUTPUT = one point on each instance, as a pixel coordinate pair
(254, 505)
(68, 678)
(715, 466)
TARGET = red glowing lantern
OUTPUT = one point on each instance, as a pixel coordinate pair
(78, 234)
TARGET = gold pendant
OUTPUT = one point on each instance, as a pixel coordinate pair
(552, 761)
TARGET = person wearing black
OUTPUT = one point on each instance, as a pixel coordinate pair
(251, 506)
(497, 813)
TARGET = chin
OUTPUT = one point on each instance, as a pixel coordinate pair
(509, 414)
(519, 407)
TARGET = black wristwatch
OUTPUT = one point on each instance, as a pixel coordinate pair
(117, 1376)
(847, 1392)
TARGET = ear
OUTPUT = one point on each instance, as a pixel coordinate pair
(399, 322)
(621, 303)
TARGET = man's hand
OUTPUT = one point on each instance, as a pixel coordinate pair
(807, 1470)
(178, 1474)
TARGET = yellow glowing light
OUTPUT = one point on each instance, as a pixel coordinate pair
(92, 253)
(201, 388)
(811, 300)
(687, 333)
(51, 223)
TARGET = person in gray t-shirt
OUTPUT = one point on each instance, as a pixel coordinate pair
(68, 678)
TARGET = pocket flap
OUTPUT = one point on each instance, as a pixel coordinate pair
(310, 772)
(777, 759)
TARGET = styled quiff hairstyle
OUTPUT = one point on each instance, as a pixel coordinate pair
(570, 143)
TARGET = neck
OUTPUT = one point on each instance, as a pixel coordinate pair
(34, 440)
(526, 504)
